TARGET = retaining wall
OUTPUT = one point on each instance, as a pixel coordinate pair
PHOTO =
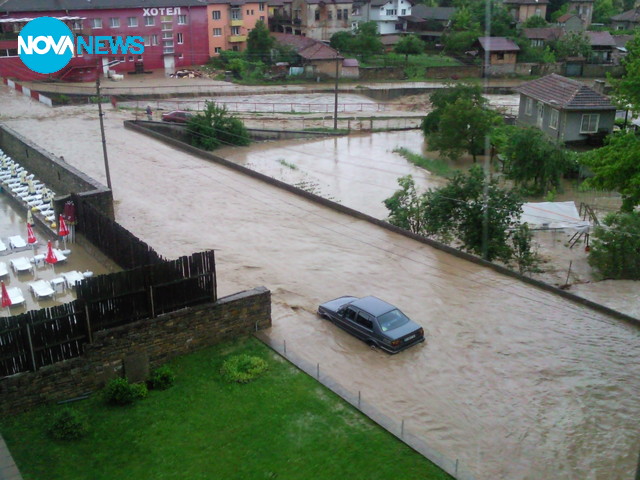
(158, 340)
(381, 223)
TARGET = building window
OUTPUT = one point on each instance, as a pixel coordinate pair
(528, 107)
(217, 49)
(248, 12)
(96, 23)
(236, 14)
(403, 11)
(536, 42)
(262, 18)
(166, 19)
(76, 25)
(261, 7)
(345, 14)
(330, 14)
(392, 11)
(180, 56)
(538, 12)
(167, 36)
(317, 14)
(500, 56)
(147, 40)
(180, 38)
(553, 119)
(149, 21)
(339, 14)
(130, 58)
(114, 22)
(182, 19)
(217, 32)
(235, 30)
(215, 15)
(235, 48)
(132, 21)
(589, 123)
(154, 39)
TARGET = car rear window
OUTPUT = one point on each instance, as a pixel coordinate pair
(392, 320)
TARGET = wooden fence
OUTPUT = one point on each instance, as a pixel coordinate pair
(43, 337)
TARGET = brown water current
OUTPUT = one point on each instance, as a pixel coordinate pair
(513, 381)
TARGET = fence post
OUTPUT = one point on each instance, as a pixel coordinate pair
(153, 309)
(215, 278)
(86, 315)
(33, 355)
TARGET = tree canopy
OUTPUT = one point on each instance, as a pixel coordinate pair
(573, 44)
(626, 90)
(215, 127)
(363, 43)
(410, 45)
(260, 42)
(615, 248)
(616, 166)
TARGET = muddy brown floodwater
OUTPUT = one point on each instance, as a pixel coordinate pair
(513, 381)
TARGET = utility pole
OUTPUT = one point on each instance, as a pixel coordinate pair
(104, 140)
(335, 103)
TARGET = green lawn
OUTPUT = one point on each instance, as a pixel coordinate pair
(424, 60)
(436, 166)
(283, 425)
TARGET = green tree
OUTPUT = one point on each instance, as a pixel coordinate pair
(460, 42)
(574, 44)
(366, 41)
(445, 96)
(478, 214)
(410, 45)
(259, 43)
(536, 21)
(616, 166)
(341, 41)
(615, 250)
(501, 23)
(523, 251)
(533, 161)
(603, 10)
(626, 90)
(406, 207)
(214, 127)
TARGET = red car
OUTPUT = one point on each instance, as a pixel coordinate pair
(177, 116)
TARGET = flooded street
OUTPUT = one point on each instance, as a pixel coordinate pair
(513, 381)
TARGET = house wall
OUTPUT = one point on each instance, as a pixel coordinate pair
(574, 24)
(574, 121)
(584, 10)
(527, 11)
(507, 58)
(386, 22)
(221, 30)
(328, 22)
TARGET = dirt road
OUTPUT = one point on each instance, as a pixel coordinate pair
(513, 381)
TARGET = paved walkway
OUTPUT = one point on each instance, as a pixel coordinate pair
(8, 469)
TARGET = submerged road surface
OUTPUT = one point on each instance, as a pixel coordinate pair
(514, 382)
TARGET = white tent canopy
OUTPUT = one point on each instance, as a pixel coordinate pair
(553, 215)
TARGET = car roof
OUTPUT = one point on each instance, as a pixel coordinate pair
(373, 305)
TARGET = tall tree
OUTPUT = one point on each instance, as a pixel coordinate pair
(616, 166)
(366, 41)
(626, 90)
(214, 127)
(341, 41)
(259, 43)
(406, 207)
(410, 45)
(615, 249)
(574, 44)
(445, 96)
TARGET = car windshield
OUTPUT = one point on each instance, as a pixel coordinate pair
(392, 320)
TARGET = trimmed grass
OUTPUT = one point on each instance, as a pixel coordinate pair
(436, 166)
(283, 425)
(424, 60)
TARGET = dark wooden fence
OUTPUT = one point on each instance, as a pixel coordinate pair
(115, 241)
(43, 337)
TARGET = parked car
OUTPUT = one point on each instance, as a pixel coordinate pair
(375, 321)
(177, 116)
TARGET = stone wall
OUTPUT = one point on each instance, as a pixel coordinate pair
(158, 340)
(454, 72)
(57, 174)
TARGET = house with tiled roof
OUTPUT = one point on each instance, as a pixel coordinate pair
(628, 20)
(570, 22)
(583, 9)
(602, 46)
(317, 58)
(565, 109)
(540, 37)
(522, 10)
(388, 14)
(503, 54)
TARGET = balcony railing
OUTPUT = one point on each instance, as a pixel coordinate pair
(236, 22)
(237, 38)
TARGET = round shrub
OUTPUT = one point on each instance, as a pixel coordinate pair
(161, 379)
(120, 392)
(68, 424)
(243, 368)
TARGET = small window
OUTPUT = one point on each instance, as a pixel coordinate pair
(317, 14)
(350, 314)
(339, 14)
(217, 49)
(180, 38)
(147, 40)
(247, 11)
(76, 25)
(235, 30)
(262, 18)
(130, 58)
(132, 21)
(345, 14)
(149, 21)
(500, 56)
(330, 14)
(553, 119)
(404, 11)
(154, 39)
(182, 19)
(114, 22)
(215, 15)
(217, 32)
(528, 107)
(589, 123)
(96, 23)
(261, 7)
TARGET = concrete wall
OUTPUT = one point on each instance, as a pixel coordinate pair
(57, 174)
(158, 339)
(601, 71)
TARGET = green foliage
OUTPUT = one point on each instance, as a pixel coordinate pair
(463, 20)
(243, 368)
(529, 53)
(616, 166)
(68, 424)
(341, 41)
(615, 250)
(536, 21)
(477, 214)
(406, 207)
(535, 163)
(366, 41)
(500, 21)
(214, 127)
(626, 90)
(572, 44)
(161, 378)
(120, 392)
(410, 45)
(259, 43)
(435, 166)
(445, 96)
(524, 254)
(459, 42)
(603, 10)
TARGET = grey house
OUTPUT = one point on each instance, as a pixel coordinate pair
(565, 109)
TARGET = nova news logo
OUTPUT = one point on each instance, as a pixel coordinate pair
(46, 45)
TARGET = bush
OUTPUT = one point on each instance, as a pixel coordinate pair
(68, 424)
(161, 379)
(615, 247)
(120, 392)
(243, 368)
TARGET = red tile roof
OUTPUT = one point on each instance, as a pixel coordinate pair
(628, 16)
(306, 47)
(600, 39)
(498, 44)
(565, 17)
(544, 33)
(564, 93)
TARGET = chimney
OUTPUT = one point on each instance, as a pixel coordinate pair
(598, 86)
